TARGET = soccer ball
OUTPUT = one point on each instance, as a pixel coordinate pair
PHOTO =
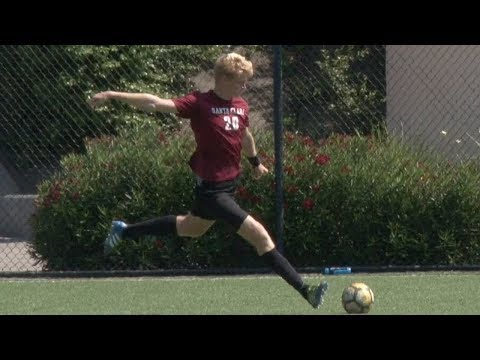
(357, 298)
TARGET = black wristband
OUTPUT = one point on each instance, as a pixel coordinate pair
(254, 161)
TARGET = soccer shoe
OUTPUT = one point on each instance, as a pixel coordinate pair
(114, 236)
(315, 294)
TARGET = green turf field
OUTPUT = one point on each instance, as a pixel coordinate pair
(399, 293)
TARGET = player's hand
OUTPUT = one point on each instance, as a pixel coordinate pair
(259, 171)
(99, 99)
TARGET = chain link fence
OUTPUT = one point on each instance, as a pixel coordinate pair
(423, 97)
(45, 116)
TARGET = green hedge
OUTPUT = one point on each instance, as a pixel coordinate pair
(348, 200)
(334, 88)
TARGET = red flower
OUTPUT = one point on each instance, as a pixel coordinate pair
(322, 159)
(308, 204)
(307, 140)
(289, 138)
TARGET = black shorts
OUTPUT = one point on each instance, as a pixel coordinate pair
(215, 201)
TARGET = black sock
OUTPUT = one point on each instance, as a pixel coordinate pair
(162, 226)
(283, 268)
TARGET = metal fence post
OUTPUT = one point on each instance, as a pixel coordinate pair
(278, 120)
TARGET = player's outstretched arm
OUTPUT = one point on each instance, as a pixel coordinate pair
(145, 102)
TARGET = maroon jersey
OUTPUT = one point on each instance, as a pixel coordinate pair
(218, 126)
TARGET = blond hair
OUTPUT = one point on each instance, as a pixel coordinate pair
(233, 65)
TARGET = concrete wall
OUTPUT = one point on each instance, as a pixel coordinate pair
(435, 88)
(16, 212)
(16, 209)
(7, 185)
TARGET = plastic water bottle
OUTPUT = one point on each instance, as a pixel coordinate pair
(337, 270)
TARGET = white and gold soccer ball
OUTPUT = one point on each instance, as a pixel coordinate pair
(357, 298)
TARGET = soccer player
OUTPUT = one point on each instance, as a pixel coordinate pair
(219, 119)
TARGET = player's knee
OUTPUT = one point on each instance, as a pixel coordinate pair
(254, 227)
(257, 235)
